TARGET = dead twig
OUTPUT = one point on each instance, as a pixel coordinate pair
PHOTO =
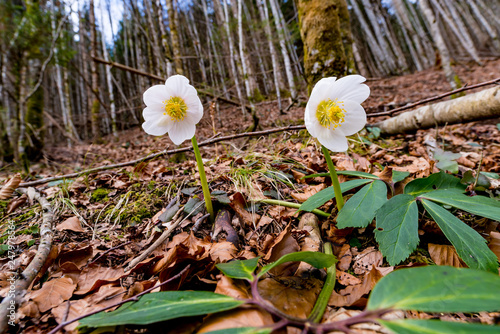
(164, 152)
(21, 283)
(131, 299)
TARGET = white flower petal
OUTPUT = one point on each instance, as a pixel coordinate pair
(155, 95)
(178, 85)
(157, 128)
(181, 131)
(350, 87)
(153, 113)
(195, 112)
(321, 91)
(335, 141)
(355, 118)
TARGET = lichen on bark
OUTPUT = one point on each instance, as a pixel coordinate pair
(326, 35)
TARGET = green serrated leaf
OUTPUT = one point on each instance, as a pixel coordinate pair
(478, 205)
(221, 196)
(315, 259)
(417, 326)
(193, 206)
(399, 176)
(360, 209)
(470, 246)
(435, 181)
(242, 269)
(242, 330)
(397, 228)
(437, 289)
(446, 160)
(320, 198)
(161, 306)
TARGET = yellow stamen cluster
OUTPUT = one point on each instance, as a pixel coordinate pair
(176, 108)
(330, 113)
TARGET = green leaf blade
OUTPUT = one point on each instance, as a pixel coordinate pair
(435, 181)
(470, 246)
(240, 269)
(320, 198)
(360, 209)
(315, 259)
(161, 306)
(437, 289)
(417, 326)
(477, 205)
(397, 228)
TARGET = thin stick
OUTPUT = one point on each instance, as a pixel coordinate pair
(434, 98)
(24, 280)
(131, 299)
(164, 152)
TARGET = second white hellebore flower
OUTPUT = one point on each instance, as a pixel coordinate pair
(174, 108)
(334, 110)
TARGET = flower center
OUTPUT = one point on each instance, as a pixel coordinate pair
(176, 108)
(330, 113)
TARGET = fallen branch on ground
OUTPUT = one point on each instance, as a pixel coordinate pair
(482, 105)
(434, 98)
(28, 275)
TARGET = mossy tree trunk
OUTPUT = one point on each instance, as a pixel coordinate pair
(325, 32)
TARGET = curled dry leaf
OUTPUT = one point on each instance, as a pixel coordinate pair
(495, 243)
(71, 224)
(248, 317)
(345, 258)
(293, 295)
(9, 187)
(53, 293)
(284, 244)
(15, 203)
(238, 204)
(346, 278)
(367, 259)
(310, 242)
(308, 192)
(445, 255)
(95, 276)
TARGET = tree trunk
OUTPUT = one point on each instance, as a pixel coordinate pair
(482, 105)
(281, 36)
(95, 105)
(441, 46)
(274, 57)
(174, 36)
(324, 53)
(164, 40)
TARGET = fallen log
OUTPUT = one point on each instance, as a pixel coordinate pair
(481, 105)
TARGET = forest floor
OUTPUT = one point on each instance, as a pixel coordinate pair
(105, 220)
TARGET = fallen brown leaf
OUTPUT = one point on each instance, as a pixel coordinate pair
(293, 295)
(9, 187)
(494, 243)
(346, 278)
(94, 276)
(308, 192)
(238, 204)
(445, 255)
(284, 244)
(345, 258)
(367, 259)
(53, 293)
(72, 224)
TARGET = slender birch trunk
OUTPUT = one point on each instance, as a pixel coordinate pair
(174, 36)
(450, 74)
(233, 57)
(484, 22)
(95, 105)
(284, 51)
(264, 14)
(164, 40)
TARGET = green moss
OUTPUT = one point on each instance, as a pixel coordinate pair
(100, 195)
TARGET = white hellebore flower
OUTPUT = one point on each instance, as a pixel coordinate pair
(174, 108)
(334, 110)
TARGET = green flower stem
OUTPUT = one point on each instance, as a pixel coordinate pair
(291, 205)
(335, 178)
(324, 296)
(203, 179)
